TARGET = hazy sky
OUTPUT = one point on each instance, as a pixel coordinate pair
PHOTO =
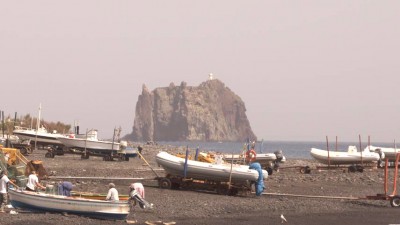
(304, 69)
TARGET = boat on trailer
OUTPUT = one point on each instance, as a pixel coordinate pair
(89, 142)
(41, 136)
(115, 210)
(352, 156)
(175, 166)
(390, 153)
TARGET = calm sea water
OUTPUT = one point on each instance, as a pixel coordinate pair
(291, 149)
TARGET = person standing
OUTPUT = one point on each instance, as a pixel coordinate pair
(112, 194)
(33, 182)
(140, 148)
(3, 190)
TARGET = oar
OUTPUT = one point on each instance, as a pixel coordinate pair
(141, 156)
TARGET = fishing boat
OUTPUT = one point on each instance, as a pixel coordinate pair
(352, 156)
(75, 205)
(41, 136)
(89, 142)
(89, 195)
(218, 171)
(390, 153)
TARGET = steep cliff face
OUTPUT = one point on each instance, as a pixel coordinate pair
(209, 112)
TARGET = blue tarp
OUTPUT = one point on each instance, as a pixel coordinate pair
(260, 181)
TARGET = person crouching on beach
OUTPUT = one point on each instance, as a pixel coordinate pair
(33, 182)
(112, 194)
(136, 194)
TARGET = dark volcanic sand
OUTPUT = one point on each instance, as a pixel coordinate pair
(195, 207)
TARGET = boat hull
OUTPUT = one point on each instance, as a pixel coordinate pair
(40, 137)
(81, 143)
(200, 170)
(262, 158)
(96, 196)
(390, 153)
(80, 206)
(343, 158)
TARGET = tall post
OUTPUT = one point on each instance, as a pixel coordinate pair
(15, 119)
(327, 148)
(336, 144)
(2, 121)
(38, 124)
(362, 161)
(196, 157)
(186, 161)
(112, 145)
(86, 142)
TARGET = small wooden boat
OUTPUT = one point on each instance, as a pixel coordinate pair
(57, 203)
(89, 195)
(174, 165)
(352, 156)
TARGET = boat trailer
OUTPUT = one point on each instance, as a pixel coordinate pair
(394, 198)
(220, 187)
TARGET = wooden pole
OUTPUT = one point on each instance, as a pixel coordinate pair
(186, 161)
(230, 173)
(336, 143)
(38, 124)
(396, 170)
(86, 143)
(141, 156)
(327, 148)
(362, 161)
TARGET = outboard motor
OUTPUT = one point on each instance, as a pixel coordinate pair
(279, 158)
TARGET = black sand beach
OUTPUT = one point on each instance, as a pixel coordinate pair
(196, 207)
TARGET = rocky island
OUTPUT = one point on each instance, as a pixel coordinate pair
(208, 112)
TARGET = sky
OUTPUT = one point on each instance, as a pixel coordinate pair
(305, 69)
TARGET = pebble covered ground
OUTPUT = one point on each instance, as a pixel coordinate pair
(200, 207)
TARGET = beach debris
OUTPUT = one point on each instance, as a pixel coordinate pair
(283, 219)
(131, 221)
(13, 212)
(159, 222)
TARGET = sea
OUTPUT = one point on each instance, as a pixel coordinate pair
(290, 149)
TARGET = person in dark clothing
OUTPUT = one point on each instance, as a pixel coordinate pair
(140, 149)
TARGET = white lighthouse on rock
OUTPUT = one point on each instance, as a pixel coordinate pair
(210, 76)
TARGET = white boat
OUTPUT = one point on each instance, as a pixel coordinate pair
(390, 153)
(265, 159)
(89, 142)
(41, 135)
(75, 205)
(352, 156)
(174, 165)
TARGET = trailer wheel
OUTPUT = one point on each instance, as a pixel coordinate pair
(49, 155)
(165, 183)
(395, 201)
(269, 170)
(352, 169)
(305, 170)
(23, 151)
(360, 168)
